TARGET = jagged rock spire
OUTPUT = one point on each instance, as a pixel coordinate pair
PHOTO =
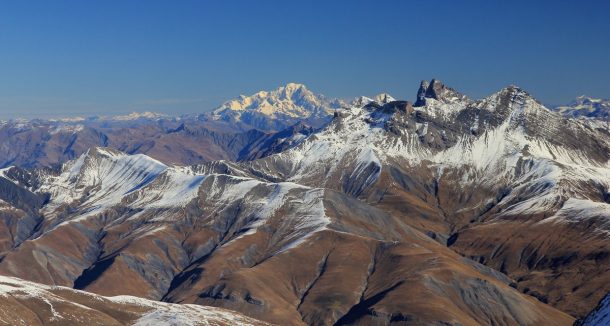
(421, 93)
(435, 89)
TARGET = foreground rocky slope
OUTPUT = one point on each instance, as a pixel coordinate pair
(116, 224)
(25, 303)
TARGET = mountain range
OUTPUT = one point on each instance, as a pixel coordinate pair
(587, 107)
(240, 129)
(234, 131)
(445, 211)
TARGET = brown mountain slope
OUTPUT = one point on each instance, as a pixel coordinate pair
(281, 252)
(48, 144)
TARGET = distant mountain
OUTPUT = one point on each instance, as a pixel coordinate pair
(139, 115)
(241, 129)
(235, 131)
(381, 98)
(43, 143)
(586, 107)
(277, 109)
(94, 120)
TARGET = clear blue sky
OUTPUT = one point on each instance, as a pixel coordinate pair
(62, 58)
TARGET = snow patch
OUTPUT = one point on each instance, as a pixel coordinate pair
(158, 313)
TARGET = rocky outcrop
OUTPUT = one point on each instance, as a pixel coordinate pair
(436, 90)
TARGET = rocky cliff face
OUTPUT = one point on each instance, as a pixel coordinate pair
(277, 109)
(234, 131)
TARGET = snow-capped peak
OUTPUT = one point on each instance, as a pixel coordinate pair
(361, 101)
(586, 99)
(292, 99)
(293, 88)
(69, 119)
(101, 176)
(139, 115)
(586, 107)
(381, 98)
(285, 105)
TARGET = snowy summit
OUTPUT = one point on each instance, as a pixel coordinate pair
(278, 108)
